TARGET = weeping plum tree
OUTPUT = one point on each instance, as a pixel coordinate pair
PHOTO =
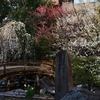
(24, 39)
(15, 38)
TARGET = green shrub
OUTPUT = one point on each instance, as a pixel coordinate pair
(86, 70)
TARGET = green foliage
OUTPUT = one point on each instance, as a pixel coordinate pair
(82, 76)
(19, 14)
(42, 48)
(4, 9)
(86, 70)
(33, 4)
(30, 92)
(20, 8)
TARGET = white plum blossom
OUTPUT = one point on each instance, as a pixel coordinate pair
(11, 36)
(79, 32)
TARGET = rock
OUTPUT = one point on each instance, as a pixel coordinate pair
(42, 91)
(81, 94)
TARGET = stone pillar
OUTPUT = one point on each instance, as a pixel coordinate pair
(62, 77)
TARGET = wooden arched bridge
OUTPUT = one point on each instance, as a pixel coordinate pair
(16, 75)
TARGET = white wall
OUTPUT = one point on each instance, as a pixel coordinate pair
(83, 1)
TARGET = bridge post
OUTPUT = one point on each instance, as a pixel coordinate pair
(62, 75)
(4, 68)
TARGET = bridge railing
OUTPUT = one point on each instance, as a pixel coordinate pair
(5, 65)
